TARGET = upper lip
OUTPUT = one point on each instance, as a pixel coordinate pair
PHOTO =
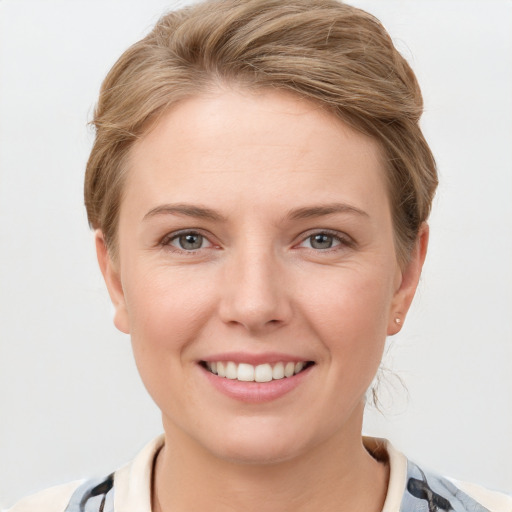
(255, 359)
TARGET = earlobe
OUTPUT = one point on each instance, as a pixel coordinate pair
(410, 277)
(112, 279)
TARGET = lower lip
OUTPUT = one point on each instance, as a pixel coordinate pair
(256, 392)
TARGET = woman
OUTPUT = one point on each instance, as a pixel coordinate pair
(259, 189)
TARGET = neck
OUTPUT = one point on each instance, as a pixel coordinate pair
(338, 475)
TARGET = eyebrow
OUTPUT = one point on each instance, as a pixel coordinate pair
(201, 212)
(325, 209)
(186, 210)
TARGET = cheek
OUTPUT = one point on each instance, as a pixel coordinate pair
(350, 317)
(354, 298)
(167, 309)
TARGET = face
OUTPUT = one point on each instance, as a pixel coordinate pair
(256, 241)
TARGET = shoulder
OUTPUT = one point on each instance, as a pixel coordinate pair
(90, 495)
(131, 485)
(437, 492)
(54, 499)
(494, 501)
(412, 488)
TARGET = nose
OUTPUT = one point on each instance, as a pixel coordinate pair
(254, 294)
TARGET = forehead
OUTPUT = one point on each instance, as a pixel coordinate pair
(253, 144)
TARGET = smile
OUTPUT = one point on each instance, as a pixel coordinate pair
(266, 372)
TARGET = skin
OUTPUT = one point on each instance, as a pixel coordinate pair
(257, 285)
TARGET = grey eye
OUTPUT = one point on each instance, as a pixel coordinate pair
(322, 241)
(189, 241)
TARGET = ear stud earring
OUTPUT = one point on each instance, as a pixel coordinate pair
(398, 321)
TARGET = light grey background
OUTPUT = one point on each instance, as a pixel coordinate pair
(71, 403)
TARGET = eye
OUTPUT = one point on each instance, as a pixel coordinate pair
(324, 240)
(188, 241)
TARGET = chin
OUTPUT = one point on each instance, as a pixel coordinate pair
(251, 453)
(258, 444)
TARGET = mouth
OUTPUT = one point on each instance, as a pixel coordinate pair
(245, 372)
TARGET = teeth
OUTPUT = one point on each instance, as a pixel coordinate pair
(221, 370)
(245, 372)
(261, 373)
(278, 371)
(289, 369)
(231, 371)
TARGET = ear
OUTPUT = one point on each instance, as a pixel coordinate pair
(408, 281)
(112, 278)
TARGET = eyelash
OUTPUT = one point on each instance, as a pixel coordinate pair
(343, 241)
(340, 239)
(168, 239)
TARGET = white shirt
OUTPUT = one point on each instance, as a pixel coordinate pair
(132, 486)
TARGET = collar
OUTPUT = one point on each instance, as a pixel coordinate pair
(133, 481)
(383, 450)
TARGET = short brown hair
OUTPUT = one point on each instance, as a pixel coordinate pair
(331, 53)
